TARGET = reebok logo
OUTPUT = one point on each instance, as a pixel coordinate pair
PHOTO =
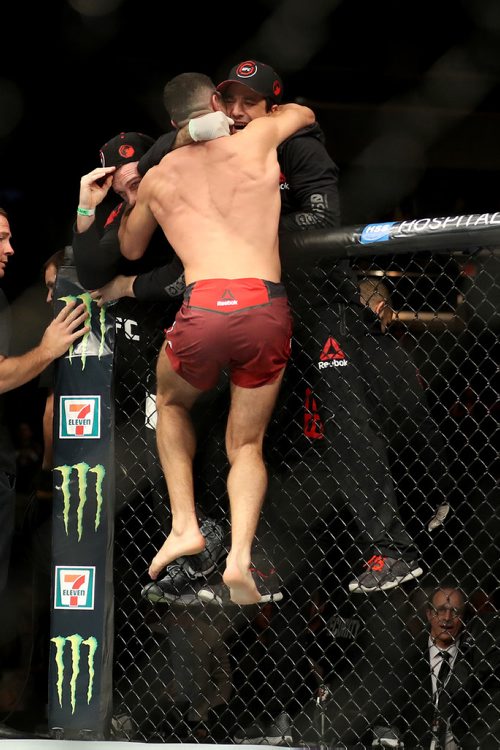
(283, 183)
(313, 426)
(226, 299)
(331, 355)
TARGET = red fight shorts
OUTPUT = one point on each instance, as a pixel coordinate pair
(242, 324)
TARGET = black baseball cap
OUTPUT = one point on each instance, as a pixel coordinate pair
(258, 76)
(125, 148)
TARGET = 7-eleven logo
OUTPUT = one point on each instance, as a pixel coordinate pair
(80, 417)
(74, 588)
(331, 355)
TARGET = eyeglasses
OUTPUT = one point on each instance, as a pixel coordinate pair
(443, 611)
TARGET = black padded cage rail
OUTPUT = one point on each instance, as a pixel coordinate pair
(377, 431)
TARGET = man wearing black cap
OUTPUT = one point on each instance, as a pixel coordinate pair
(325, 449)
(97, 253)
(100, 266)
(325, 298)
(256, 76)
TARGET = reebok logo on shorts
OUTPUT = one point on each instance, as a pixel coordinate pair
(226, 299)
(331, 355)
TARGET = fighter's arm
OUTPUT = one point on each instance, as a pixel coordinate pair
(138, 224)
(280, 124)
(204, 128)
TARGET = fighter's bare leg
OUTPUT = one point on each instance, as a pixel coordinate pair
(176, 448)
(249, 415)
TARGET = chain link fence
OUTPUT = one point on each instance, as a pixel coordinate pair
(384, 443)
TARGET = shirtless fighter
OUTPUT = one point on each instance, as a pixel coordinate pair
(218, 203)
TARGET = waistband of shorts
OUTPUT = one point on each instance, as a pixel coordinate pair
(275, 289)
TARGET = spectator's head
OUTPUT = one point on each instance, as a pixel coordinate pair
(375, 295)
(190, 95)
(251, 90)
(6, 249)
(49, 272)
(445, 613)
(123, 152)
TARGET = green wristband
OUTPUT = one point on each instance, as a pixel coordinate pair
(85, 211)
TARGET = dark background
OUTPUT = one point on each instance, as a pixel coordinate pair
(407, 92)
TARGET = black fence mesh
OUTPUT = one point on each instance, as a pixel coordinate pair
(383, 447)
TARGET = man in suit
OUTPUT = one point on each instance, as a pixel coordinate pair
(396, 690)
(449, 691)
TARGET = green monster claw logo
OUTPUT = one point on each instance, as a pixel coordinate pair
(87, 301)
(82, 472)
(76, 641)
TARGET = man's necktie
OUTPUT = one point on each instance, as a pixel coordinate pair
(443, 673)
(440, 720)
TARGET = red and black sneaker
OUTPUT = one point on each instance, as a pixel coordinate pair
(385, 573)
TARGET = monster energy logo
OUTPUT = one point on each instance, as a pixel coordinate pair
(84, 343)
(76, 641)
(82, 471)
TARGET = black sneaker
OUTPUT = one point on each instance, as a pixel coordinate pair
(385, 573)
(179, 584)
(205, 562)
(277, 732)
(267, 585)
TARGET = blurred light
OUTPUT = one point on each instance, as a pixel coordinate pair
(11, 106)
(294, 32)
(95, 8)
(410, 124)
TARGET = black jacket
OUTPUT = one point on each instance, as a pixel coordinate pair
(98, 260)
(310, 200)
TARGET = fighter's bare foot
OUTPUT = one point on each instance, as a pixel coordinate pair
(176, 545)
(241, 585)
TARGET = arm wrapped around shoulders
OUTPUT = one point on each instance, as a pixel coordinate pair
(161, 284)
